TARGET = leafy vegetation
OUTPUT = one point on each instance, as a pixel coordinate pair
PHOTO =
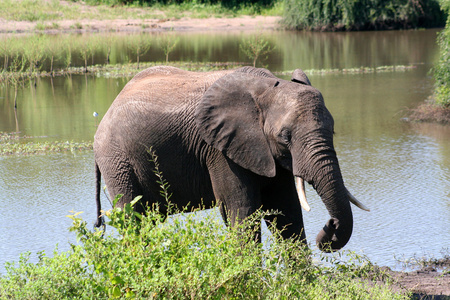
(186, 257)
(233, 4)
(441, 71)
(437, 107)
(256, 47)
(361, 15)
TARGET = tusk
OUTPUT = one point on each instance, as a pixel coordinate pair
(356, 202)
(301, 193)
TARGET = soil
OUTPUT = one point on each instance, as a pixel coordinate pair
(243, 23)
(424, 284)
(429, 113)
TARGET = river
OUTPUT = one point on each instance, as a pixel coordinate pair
(400, 170)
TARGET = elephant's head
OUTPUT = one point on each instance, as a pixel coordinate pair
(259, 121)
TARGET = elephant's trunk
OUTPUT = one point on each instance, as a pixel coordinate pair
(322, 170)
(337, 231)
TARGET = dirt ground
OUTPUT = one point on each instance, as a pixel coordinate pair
(425, 284)
(139, 25)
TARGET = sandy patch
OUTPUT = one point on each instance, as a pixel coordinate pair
(243, 23)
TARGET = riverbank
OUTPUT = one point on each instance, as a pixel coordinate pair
(430, 113)
(67, 16)
(143, 25)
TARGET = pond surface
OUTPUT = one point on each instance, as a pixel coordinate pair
(400, 170)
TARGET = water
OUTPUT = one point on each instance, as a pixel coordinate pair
(400, 170)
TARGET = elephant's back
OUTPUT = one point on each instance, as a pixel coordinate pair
(158, 102)
(165, 86)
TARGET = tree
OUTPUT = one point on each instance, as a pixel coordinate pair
(256, 46)
(139, 45)
(167, 43)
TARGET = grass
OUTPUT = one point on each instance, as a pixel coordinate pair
(360, 70)
(426, 261)
(13, 144)
(42, 55)
(186, 257)
(53, 10)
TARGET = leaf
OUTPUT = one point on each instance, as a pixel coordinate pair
(117, 199)
(115, 292)
(135, 200)
(117, 280)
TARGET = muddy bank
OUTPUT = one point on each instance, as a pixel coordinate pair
(430, 113)
(425, 282)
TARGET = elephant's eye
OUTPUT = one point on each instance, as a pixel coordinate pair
(285, 136)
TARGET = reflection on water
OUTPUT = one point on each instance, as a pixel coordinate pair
(400, 170)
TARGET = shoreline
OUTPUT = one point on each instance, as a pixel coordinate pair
(185, 24)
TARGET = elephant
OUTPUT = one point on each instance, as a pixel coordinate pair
(239, 139)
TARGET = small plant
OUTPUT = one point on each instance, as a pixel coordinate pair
(87, 50)
(256, 47)
(168, 43)
(140, 46)
(35, 52)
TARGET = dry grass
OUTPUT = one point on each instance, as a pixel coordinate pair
(429, 112)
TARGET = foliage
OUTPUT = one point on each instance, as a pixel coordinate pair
(139, 45)
(256, 47)
(225, 3)
(441, 72)
(184, 257)
(361, 15)
(167, 43)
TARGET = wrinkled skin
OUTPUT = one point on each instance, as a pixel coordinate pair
(231, 138)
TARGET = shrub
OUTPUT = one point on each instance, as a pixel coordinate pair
(361, 15)
(185, 257)
(441, 72)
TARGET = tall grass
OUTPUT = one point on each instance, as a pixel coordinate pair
(361, 15)
(44, 55)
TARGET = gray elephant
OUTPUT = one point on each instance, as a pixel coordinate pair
(239, 139)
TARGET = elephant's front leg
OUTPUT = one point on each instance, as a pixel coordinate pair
(236, 189)
(280, 195)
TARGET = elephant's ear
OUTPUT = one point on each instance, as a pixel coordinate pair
(229, 119)
(300, 77)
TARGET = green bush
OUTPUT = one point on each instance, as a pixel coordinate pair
(225, 3)
(361, 15)
(185, 257)
(441, 72)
